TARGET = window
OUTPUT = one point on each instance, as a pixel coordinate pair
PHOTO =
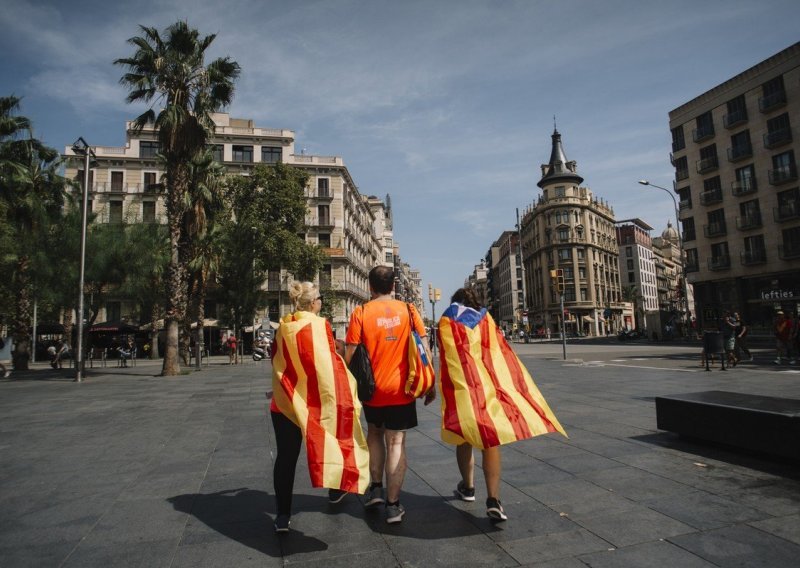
(242, 154)
(324, 240)
(712, 191)
(218, 152)
(745, 180)
(561, 191)
(148, 149)
(740, 146)
(271, 155)
(692, 261)
(323, 189)
(788, 204)
(580, 253)
(681, 168)
(150, 182)
(323, 212)
(115, 211)
(778, 131)
(685, 195)
(113, 311)
(569, 294)
(631, 277)
(116, 181)
(708, 159)
(773, 94)
(149, 211)
(564, 254)
(705, 127)
(563, 234)
(79, 178)
(754, 250)
(791, 243)
(716, 223)
(582, 273)
(750, 209)
(584, 294)
(719, 251)
(629, 252)
(678, 142)
(630, 264)
(325, 276)
(737, 112)
(569, 273)
(783, 168)
(688, 229)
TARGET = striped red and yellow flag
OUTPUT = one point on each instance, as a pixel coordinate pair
(488, 397)
(313, 388)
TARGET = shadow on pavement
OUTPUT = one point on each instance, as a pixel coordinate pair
(241, 515)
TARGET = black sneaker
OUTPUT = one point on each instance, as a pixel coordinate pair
(282, 524)
(495, 510)
(464, 492)
(374, 496)
(336, 495)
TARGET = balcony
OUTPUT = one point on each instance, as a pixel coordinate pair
(715, 230)
(703, 133)
(740, 152)
(778, 137)
(711, 196)
(735, 118)
(771, 102)
(721, 262)
(787, 212)
(750, 257)
(783, 174)
(685, 204)
(707, 165)
(789, 250)
(744, 186)
(747, 222)
(681, 174)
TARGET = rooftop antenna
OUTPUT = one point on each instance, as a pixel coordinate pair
(554, 123)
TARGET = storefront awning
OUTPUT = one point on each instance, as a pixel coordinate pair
(588, 319)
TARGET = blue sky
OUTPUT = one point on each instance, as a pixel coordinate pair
(445, 105)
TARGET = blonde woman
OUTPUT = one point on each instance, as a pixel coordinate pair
(314, 399)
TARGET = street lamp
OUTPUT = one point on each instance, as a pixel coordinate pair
(82, 148)
(680, 248)
(434, 294)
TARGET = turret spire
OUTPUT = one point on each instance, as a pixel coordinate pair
(559, 169)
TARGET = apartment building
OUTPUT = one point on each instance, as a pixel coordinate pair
(123, 186)
(568, 228)
(637, 267)
(504, 282)
(734, 153)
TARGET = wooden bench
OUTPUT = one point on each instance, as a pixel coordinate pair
(757, 423)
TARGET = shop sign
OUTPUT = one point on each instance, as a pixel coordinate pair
(777, 294)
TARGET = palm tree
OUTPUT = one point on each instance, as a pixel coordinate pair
(171, 71)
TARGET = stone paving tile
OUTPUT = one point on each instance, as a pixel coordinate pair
(554, 545)
(23, 555)
(256, 553)
(122, 555)
(647, 555)
(633, 527)
(787, 527)
(740, 546)
(703, 510)
(634, 483)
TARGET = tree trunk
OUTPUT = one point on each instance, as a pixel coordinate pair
(176, 280)
(186, 324)
(155, 315)
(21, 354)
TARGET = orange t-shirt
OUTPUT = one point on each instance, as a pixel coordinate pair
(383, 327)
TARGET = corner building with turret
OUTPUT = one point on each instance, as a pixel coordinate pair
(568, 228)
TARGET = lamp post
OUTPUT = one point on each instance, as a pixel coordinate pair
(434, 294)
(680, 249)
(81, 147)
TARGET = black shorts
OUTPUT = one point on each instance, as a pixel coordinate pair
(401, 417)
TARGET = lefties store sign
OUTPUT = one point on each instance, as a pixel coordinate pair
(777, 294)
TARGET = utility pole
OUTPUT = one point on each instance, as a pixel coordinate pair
(434, 295)
(557, 276)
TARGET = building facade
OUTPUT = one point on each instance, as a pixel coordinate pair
(504, 282)
(637, 267)
(569, 229)
(734, 153)
(123, 186)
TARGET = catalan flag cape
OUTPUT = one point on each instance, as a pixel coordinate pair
(488, 397)
(313, 388)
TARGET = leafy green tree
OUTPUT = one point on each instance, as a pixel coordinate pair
(268, 211)
(171, 71)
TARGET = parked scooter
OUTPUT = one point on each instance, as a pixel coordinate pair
(259, 354)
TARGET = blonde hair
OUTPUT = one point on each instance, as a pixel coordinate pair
(303, 294)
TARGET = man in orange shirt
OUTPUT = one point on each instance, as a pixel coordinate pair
(383, 326)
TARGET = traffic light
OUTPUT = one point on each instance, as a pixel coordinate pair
(430, 292)
(437, 294)
(560, 280)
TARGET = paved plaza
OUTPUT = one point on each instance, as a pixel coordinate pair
(131, 469)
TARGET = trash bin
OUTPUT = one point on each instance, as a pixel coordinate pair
(712, 342)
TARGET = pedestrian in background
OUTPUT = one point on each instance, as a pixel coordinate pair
(383, 326)
(782, 329)
(742, 330)
(233, 352)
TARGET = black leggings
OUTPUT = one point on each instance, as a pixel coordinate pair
(289, 439)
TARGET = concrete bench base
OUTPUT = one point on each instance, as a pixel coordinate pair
(764, 424)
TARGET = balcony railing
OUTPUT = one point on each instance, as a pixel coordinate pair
(773, 101)
(778, 137)
(734, 118)
(703, 133)
(758, 256)
(681, 174)
(715, 230)
(786, 212)
(711, 196)
(685, 204)
(789, 250)
(707, 165)
(744, 186)
(740, 152)
(748, 222)
(783, 174)
(720, 262)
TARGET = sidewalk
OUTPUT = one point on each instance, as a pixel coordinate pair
(131, 469)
